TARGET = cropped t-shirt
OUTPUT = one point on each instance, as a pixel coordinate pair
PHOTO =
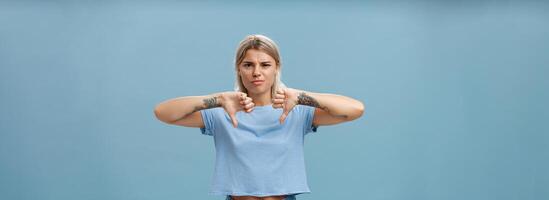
(261, 157)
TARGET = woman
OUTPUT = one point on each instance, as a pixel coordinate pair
(259, 128)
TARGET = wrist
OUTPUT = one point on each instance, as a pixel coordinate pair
(306, 98)
(300, 95)
(213, 100)
(220, 98)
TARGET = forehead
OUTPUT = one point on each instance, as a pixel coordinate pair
(254, 54)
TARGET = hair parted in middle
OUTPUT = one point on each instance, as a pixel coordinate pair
(266, 45)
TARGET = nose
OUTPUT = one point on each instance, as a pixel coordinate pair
(256, 72)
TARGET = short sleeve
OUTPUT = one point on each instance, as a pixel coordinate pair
(309, 113)
(208, 119)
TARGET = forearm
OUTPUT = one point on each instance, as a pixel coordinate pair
(174, 109)
(336, 105)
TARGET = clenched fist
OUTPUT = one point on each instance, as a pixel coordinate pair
(233, 102)
(285, 98)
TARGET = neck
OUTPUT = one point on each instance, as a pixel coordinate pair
(261, 99)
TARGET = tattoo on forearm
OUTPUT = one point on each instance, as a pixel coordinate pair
(305, 99)
(211, 102)
(208, 103)
(197, 108)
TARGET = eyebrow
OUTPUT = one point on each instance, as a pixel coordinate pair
(246, 61)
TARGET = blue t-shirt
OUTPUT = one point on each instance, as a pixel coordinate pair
(261, 157)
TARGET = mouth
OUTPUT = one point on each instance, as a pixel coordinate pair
(258, 82)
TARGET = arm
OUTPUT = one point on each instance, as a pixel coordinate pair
(331, 108)
(183, 110)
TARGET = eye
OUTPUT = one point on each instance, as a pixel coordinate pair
(266, 65)
(246, 65)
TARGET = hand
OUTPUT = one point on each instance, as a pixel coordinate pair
(233, 102)
(285, 98)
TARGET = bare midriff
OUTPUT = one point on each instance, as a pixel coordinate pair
(281, 197)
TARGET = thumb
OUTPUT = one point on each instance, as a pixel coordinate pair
(283, 116)
(233, 119)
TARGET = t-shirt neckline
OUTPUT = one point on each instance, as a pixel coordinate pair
(263, 107)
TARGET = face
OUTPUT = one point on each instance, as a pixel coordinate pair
(257, 65)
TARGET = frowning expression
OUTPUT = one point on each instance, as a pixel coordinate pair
(257, 71)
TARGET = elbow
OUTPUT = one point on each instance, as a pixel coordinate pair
(160, 115)
(358, 111)
(361, 109)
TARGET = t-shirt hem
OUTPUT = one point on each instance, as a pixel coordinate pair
(222, 193)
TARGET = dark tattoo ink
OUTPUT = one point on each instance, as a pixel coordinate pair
(210, 103)
(305, 99)
(197, 108)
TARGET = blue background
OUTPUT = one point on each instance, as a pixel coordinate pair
(456, 95)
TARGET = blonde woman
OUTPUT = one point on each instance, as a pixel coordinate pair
(259, 128)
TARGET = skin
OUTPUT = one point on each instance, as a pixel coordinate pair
(258, 198)
(257, 65)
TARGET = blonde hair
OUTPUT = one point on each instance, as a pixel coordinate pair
(262, 43)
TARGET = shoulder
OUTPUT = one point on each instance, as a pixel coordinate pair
(216, 109)
(304, 109)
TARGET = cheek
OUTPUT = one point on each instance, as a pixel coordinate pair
(273, 76)
(245, 76)
(271, 81)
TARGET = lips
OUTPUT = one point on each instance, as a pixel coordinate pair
(258, 82)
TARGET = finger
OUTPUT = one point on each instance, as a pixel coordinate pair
(245, 102)
(283, 117)
(248, 100)
(280, 96)
(233, 119)
(277, 105)
(280, 91)
(277, 101)
(250, 110)
(248, 106)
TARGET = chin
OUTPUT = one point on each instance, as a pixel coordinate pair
(257, 91)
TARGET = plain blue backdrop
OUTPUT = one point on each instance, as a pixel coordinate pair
(456, 95)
